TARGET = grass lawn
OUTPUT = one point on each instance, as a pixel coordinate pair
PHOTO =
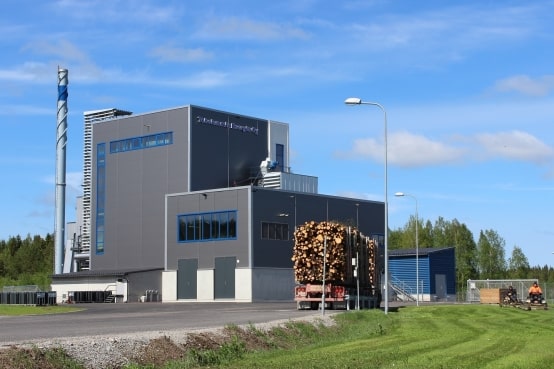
(426, 337)
(35, 310)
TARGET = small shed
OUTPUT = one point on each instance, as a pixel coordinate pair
(433, 268)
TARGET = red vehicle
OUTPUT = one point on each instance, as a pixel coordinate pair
(345, 259)
(310, 296)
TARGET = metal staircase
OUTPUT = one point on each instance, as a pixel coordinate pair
(402, 290)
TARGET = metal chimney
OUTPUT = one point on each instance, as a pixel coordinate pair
(61, 143)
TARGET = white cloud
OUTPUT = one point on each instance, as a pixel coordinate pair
(74, 181)
(60, 49)
(98, 11)
(29, 72)
(406, 150)
(411, 150)
(19, 109)
(516, 145)
(428, 38)
(245, 29)
(526, 85)
(177, 54)
(64, 54)
(205, 79)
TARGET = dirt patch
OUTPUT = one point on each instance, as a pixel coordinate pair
(162, 350)
(33, 358)
(159, 351)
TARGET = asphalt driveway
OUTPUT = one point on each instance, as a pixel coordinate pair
(107, 319)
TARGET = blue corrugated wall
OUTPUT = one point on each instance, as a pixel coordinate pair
(441, 261)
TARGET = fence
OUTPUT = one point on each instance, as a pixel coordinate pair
(26, 295)
(520, 285)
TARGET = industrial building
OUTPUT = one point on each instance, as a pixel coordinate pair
(192, 204)
(434, 269)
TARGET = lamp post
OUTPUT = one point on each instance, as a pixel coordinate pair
(294, 197)
(323, 276)
(357, 263)
(358, 101)
(402, 194)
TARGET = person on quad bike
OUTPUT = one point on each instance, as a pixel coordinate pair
(535, 292)
(512, 294)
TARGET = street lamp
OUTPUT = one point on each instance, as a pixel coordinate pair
(358, 101)
(357, 263)
(323, 276)
(294, 197)
(402, 194)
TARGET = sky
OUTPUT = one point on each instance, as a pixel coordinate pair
(467, 88)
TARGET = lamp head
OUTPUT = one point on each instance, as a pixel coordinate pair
(353, 101)
(399, 194)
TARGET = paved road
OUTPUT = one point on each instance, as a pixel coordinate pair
(107, 319)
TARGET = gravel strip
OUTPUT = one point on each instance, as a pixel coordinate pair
(105, 351)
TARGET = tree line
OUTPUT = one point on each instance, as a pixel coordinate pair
(27, 261)
(30, 260)
(484, 259)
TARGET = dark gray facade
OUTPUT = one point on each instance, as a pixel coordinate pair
(209, 149)
(226, 149)
(158, 176)
(295, 208)
(265, 264)
(256, 205)
(135, 184)
(206, 251)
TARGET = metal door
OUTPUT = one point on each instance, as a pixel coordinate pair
(440, 285)
(224, 278)
(187, 278)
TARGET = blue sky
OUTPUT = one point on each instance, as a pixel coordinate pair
(468, 88)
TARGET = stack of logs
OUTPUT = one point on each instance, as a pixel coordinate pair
(341, 244)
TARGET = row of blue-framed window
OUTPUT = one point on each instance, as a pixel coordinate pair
(100, 196)
(221, 225)
(143, 142)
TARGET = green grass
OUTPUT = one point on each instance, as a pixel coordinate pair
(35, 310)
(425, 337)
(441, 337)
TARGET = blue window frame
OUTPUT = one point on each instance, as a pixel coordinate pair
(213, 226)
(100, 196)
(280, 157)
(142, 142)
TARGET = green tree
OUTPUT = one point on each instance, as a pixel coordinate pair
(491, 255)
(395, 238)
(405, 237)
(426, 234)
(466, 254)
(27, 261)
(442, 233)
(518, 265)
(453, 233)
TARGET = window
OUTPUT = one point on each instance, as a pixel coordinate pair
(280, 157)
(275, 231)
(220, 225)
(144, 142)
(100, 196)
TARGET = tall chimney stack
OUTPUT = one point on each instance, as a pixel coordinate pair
(61, 143)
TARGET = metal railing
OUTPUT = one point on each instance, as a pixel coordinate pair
(403, 291)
